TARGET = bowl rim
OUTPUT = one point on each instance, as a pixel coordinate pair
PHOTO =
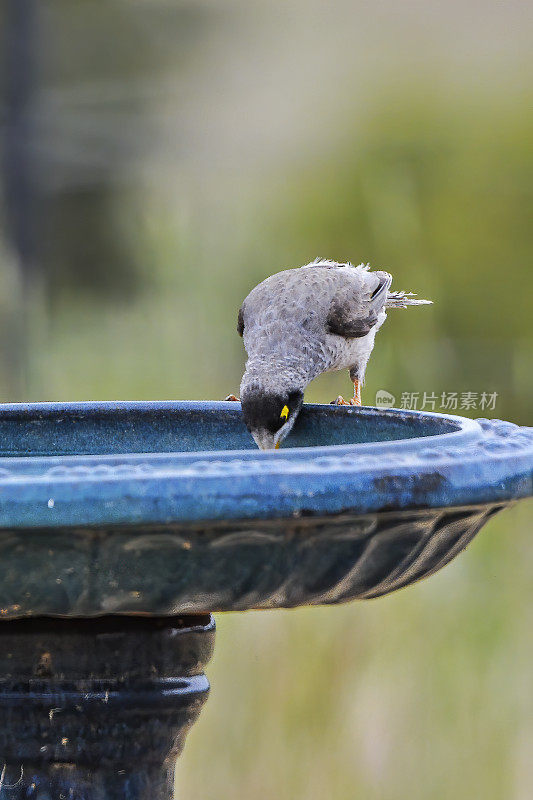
(463, 429)
(479, 461)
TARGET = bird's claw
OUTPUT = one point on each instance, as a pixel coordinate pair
(340, 401)
(232, 397)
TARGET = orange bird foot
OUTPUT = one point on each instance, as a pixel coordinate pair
(232, 397)
(340, 401)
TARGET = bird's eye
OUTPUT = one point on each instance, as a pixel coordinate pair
(284, 412)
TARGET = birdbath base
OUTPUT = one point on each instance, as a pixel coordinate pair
(98, 709)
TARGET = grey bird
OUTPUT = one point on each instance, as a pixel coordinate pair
(300, 323)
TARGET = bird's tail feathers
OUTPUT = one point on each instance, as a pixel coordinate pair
(404, 299)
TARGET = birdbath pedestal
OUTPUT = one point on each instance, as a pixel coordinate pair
(124, 525)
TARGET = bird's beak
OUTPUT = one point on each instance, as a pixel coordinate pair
(265, 441)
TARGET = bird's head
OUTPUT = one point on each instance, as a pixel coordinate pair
(270, 416)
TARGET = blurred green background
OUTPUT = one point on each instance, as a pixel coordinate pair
(159, 159)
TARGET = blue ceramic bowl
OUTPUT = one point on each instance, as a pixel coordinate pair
(165, 508)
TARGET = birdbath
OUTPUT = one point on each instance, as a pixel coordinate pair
(124, 525)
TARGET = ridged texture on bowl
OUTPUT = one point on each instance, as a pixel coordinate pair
(232, 566)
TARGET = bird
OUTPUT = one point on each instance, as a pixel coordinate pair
(301, 322)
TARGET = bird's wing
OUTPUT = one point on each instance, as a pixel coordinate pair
(355, 309)
(240, 321)
(343, 322)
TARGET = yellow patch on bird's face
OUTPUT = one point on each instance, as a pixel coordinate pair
(284, 413)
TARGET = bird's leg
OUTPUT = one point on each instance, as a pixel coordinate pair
(356, 399)
(357, 373)
(232, 397)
